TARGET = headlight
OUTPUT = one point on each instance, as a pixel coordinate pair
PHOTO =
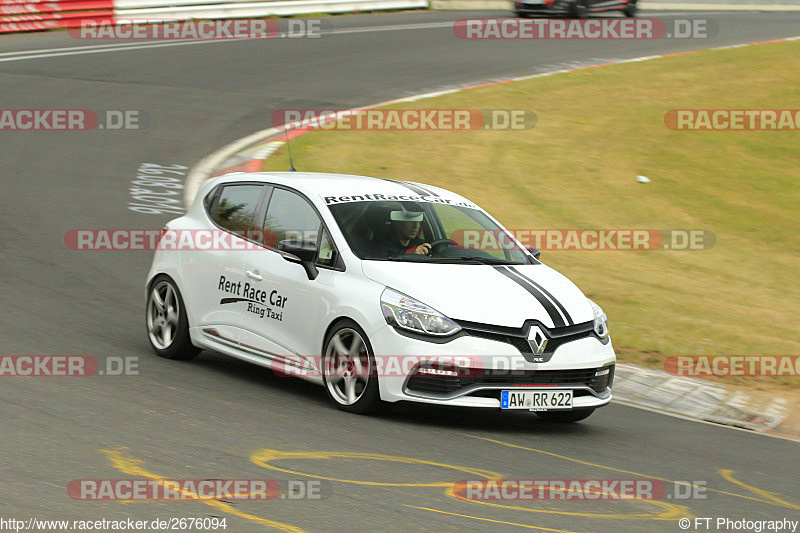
(600, 321)
(405, 312)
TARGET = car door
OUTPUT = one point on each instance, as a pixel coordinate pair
(283, 317)
(213, 275)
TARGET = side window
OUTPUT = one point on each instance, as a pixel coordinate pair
(236, 207)
(291, 217)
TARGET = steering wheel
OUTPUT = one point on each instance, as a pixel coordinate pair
(439, 245)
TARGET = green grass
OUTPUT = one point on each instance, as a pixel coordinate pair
(597, 130)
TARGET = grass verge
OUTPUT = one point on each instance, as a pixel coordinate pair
(597, 130)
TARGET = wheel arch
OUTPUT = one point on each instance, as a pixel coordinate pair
(333, 323)
(173, 277)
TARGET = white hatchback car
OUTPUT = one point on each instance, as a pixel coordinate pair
(380, 290)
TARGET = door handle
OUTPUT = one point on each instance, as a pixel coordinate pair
(254, 275)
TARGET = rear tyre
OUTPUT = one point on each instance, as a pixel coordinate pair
(565, 417)
(349, 370)
(167, 325)
(630, 9)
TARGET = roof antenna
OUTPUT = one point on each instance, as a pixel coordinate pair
(289, 147)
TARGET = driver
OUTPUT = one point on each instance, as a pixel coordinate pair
(403, 235)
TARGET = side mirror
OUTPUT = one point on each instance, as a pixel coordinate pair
(301, 252)
(534, 251)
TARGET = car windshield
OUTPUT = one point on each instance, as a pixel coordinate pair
(425, 232)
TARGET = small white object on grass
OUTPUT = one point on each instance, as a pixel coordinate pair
(642, 179)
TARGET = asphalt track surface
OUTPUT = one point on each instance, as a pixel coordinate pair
(207, 418)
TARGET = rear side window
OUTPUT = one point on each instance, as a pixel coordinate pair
(235, 209)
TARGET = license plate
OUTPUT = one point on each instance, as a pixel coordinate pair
(536, 400)
(533, 2)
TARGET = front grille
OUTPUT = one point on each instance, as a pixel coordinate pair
(450, 384)
(531, 377)
(555, 342)
(517, 337)
(520, 343)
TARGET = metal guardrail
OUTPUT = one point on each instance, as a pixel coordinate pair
(37, 15)
(220, 9)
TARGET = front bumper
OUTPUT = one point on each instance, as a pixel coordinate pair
(487, 367)
(546, 7)
(564, 7)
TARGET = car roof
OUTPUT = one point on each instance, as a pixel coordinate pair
(323, 187)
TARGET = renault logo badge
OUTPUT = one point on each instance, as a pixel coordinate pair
(537, 340)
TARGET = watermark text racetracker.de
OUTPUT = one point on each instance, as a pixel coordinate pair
(395, 366)
(67, 366)
(733, 119)
(197, 489)
(733, 365)
(585, 29)
(177, 239)
(585, 239)
(578, 489)
(157, 29)
(405, 119)
(122, 239)
(73, 119)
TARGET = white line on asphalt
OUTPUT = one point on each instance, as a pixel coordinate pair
(103, 50)
(42, 50)
(145, 42)
(646, 14)
(396, 27)
(22, 55)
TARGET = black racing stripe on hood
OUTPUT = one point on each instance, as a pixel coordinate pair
(425, 188)
(421, 191)
(514, 276)
(547, 293)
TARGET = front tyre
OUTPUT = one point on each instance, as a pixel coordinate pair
(349, 370)
(167, 325)
(565, 417)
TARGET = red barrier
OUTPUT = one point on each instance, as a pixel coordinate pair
(57, 16)
(51, 21)
(53, 7)
(38, 15)
(19, 2)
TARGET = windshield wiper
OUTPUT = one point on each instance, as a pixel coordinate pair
(471, 259)
(484, 260)
(412, 258)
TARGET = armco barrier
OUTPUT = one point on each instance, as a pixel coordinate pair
(33, 15)
(187, 9)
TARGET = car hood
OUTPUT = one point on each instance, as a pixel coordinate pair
(499, 295)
